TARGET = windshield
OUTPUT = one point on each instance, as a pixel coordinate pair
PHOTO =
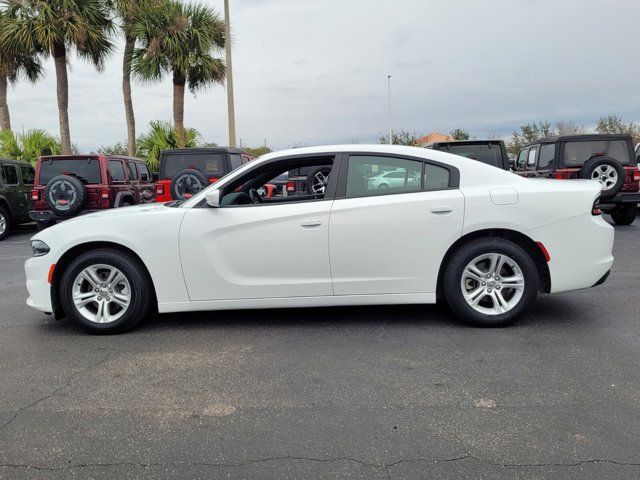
(577, 153)
(87, 170)
(210, 164)
(489, 154)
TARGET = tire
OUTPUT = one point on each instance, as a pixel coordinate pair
(44, 225)
(625, 214)
(5, 224)
(595, 168)
(313, 182)
(383, 185)
(138, 288)
(126, 203)
(475, 251)
(187, 182)
(65, 195)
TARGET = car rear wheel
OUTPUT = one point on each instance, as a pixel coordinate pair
(106, 291)
(187, 183)
(607, 171)
(624, 214)
(4, 223)
(317, 182)
(65, 195)
(490, 282)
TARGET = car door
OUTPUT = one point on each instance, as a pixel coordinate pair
(133, 179)
(257, 251)
(147, 187)
(392, 240)
(12, 190)
(27, 177)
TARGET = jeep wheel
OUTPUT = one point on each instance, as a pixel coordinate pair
(106, 291)
(4, 223)
(318, 180)
(187, 183)
(607, 171)
(65, 195)
(490, 282)
(624, 214)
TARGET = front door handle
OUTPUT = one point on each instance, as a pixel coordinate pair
(441, 209)
(311, 222)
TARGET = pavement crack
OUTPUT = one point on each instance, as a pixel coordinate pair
(54, 392)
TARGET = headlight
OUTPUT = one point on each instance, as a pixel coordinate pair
(39, 248)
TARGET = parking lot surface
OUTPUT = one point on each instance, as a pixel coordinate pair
(377, 392)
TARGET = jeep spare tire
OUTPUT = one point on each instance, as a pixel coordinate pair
(65, 195)
(187, 183)
(607, 171)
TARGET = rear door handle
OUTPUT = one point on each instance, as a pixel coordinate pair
(441, 209)
(311, 222)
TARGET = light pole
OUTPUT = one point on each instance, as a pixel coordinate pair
(230, 105)
(390, 113)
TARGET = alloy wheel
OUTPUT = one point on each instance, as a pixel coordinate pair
(606, 175)
(320, 181)
(101, 293)
(492, 283)
(3, 223)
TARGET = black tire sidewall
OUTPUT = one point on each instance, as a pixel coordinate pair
(141, 289)
(593, 163)
(5, 214)
(624, 214)
(81, 193)
(189, 171)
(473, 249)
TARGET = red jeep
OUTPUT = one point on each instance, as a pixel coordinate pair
(71, 185)
(186, 171)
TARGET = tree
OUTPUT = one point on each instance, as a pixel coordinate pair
(115, 149)
(460, 134)
(615, 124)
(58, 27)
(181, 40)
(529, 132)
(257, 151)
(400, 137)
(127, 10)
(569, 128)
(28, 146)
(13, 65)
(163, 136)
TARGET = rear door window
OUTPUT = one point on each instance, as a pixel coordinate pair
(116, 169)
(210, 164)
(374, 175)
(577, 153)
(87, 170)
(133, 171)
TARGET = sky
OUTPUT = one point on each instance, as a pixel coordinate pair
(310, 72)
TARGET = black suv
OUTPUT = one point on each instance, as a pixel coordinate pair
(16, 182)
(610, 159)
(491, 152)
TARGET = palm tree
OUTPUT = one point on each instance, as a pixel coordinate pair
(58, 27)
(181, 40)
(28, 146)
(163, 136)
(13, 66)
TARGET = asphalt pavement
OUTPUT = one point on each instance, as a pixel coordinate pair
(371, 393)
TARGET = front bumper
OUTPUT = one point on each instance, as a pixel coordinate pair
(37, 273)
(620, 198)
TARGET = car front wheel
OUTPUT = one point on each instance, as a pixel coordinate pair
(490, 282)
(4, 223)
(106, 291)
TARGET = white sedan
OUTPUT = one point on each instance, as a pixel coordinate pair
(483, 239)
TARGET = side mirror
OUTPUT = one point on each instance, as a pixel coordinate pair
(155, 177)
(512, 164)
(213, 198)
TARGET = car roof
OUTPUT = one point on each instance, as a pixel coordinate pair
(586, 137)
(14, 162)
(465, 142)
(203, 150)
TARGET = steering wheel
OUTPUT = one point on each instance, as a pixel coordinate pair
(255, 196)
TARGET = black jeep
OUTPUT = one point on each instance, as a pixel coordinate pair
(491, 152)
(610, 159)
(16, 182)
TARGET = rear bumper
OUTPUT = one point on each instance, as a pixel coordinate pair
(621, 198)
(580, 249)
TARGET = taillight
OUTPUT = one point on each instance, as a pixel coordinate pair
(595, 210)
(35, 195)
(159, 189)
(105, 194)
(636, 175)
(291, 186)
(214, 179)
(562, 175)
